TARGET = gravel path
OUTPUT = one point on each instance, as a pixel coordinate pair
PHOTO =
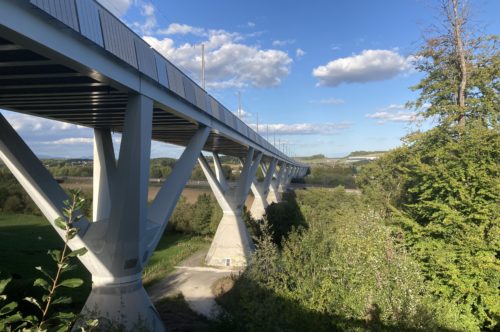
(195, 281)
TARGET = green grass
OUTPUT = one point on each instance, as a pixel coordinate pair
(172, 249)
(25, 240)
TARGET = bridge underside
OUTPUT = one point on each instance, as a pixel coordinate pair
(37, 85)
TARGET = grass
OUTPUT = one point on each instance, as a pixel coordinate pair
(25, 239)
(172, 249)
(24, 242)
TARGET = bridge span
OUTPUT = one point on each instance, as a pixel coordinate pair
(73, 61)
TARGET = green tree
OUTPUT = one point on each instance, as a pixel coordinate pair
(461, 69)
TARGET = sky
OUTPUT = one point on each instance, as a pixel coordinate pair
(319, 77)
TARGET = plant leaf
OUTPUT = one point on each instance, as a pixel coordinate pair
(71, 233)
(63, 316)
(71, 283)
(62, 300)
(13, 318)
(32, 319)
(78, 252)
(32, 300)
(3, 283)
(8, 308)
(69, 267)
(47, 274)
(61, 223)
(42, 283)
(55, 254)
(92, 322)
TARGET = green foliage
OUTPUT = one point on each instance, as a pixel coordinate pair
(365, 153)
(332, 175)
(313, 157)
(197, 174)
(13, 199)
(200, 218)
(284, 217)
(443, 189)
(438, 89)
(47, 318)
(347, 271)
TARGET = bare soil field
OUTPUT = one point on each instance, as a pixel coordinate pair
(191, 193)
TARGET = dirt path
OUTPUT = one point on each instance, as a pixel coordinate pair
(195, 282)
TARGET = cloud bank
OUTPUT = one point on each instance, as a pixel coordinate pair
(368, 66)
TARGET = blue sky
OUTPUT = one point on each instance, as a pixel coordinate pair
(325, 77)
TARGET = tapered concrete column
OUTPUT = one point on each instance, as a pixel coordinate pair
(274, 195)
(284, 178)
(232, 244)
(125, 231)
(260, 190)
(120, 209)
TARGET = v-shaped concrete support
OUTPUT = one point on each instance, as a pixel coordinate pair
(260, 190)
(274, 195)
(125, 231)
(231, 245)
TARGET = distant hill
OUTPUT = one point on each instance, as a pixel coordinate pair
(313, 157)
(365, 153)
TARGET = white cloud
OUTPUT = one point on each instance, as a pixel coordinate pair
(393, 107)
(71, 141)
(250, 24)
(329, 101)
(327, 128)
(32, 125)
(281, 43)
(243, 114)
(117, 7)
(229, 63)
(149, 24)
(148, 9)
(299, 53)
(370, 65)
(182, 29)
(393, 113)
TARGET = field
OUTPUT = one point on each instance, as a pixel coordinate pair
(25, 239)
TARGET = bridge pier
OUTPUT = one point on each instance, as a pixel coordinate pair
(125, 232)
(261, 190)
(232, 244)
(274, 195)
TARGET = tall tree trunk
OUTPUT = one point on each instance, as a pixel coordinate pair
(458, 22)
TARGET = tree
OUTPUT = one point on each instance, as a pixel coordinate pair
(462, 71)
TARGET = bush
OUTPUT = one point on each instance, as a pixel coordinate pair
(200, 218)
(347, 271)
(442, 191)
(13, 204)
(332, 176)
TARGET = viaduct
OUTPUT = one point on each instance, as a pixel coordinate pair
(73, 61)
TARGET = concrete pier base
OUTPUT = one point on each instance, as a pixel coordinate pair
(123, 305)
(231, 245)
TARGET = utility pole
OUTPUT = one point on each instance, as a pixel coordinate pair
(239, 105)
(203, 66)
